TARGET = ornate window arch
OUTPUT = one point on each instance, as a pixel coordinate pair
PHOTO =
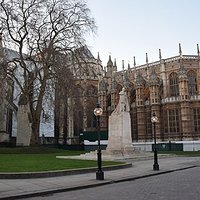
(91, 90)
(173, 84)
(192, 83)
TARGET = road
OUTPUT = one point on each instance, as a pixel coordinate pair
(179, 185)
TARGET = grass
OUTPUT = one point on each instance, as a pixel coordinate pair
(41, 159)
(37, 150)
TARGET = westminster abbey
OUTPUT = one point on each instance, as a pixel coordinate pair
(169, 87)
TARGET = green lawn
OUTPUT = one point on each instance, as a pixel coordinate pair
(41, 159)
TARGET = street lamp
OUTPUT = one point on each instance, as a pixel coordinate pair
(99, 174)
(154, 120)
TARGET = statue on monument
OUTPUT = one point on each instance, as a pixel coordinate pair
(119, 139)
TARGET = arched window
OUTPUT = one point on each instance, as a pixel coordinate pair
(91, 90)
(192, 83)
(173, 84)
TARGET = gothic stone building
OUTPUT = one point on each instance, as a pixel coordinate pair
(168, 87)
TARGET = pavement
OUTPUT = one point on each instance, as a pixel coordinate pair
(20, 188)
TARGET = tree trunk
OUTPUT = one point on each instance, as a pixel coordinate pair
(35, 133)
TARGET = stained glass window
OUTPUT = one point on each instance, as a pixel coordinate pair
(173, 82)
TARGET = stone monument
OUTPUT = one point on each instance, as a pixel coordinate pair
(23, 122)
(119, 136)
(119, 139)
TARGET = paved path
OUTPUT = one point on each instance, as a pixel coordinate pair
(19, 188)
(178, 185)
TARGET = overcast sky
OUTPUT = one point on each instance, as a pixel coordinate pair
(135, 27)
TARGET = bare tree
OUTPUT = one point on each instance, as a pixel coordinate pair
(45, 35)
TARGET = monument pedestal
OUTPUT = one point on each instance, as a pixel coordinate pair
(119, 139)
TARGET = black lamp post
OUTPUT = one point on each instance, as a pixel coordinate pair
(99, 174)
(154, 120)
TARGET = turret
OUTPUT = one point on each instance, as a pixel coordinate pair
(182, 78)
(154, 88)
(163, 75)
(154, 83)
(102, 94)
(115, 66)
(139, 90)
(114, 95)
(185, 108)
(140, 109)
(183, 83)
(109, 67)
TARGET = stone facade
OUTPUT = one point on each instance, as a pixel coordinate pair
(168, 87)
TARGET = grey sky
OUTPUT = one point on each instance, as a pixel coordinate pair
(133, 27)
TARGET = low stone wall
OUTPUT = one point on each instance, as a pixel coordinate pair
(147, 146)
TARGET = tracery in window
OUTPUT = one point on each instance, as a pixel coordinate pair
(192, 83)
(173, 84)
(171, 121)
(196, 113)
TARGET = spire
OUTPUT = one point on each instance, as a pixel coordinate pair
(109, 60)
(126, 81)
(198, 53)
(123, 65)
(115, 62)
(181, 56)
(160, 56)
(180, 50)
(98, 57)
(109, 67)
(147, 61)
(109, 63)
(134, 62)
(129, 67)
(115, 65)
